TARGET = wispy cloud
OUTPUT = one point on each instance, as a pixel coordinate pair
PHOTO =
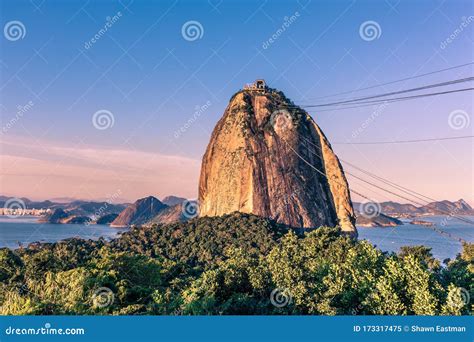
(44, 169)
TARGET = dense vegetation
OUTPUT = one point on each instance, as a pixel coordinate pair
(235, 264)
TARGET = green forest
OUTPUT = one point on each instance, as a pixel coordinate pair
(236, 264)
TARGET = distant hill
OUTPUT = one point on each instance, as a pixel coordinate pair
(169, 210)
(393, 208)
(445, 207)
(77, 211)
(172, 200)
(80, 206)
(375, 220)
(56, 216)
(380, 220)
(144, 211)
(63, 199)
(140, 212)
(170, 214)
(107, 219)
(29, 204)
(150, 210)
(459, 207)
(85, 208)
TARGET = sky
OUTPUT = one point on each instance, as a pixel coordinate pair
(99, 98)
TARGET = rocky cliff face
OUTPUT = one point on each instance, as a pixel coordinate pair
(258, 161)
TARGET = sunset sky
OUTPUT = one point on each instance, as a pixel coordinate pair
(166, 90)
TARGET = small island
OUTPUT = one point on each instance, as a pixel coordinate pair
(380, 220)
(422, 223)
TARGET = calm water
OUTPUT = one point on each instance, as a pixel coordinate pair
(392, 238)
(27, 230)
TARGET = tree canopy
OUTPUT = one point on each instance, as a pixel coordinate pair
(234, 264)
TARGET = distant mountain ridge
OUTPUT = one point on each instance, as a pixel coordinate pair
(173, 200)
(77, 207)
(143, 211)
(140, 212)
(150, 210)
(459, 207)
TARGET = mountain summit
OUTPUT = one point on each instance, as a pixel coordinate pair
(140, 212)
(268, 157)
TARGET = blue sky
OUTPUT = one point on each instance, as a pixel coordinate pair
(152, 80)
